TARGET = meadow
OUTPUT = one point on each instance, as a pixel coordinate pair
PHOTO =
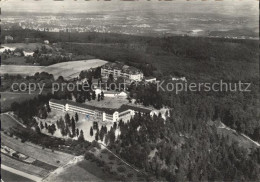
(66, 69)
(37, 152)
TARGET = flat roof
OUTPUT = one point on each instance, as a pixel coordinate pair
(85, 106)
(124, 107)
(121, 66)
(135, 108)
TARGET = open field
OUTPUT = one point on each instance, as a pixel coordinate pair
(73, 68)
(20, 69)
(7, 98)
(27, 168)
(74, 172)
(7, 122)
(37, 152)
(66, 69)
(8, 176)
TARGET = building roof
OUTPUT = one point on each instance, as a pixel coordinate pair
(120, 66)
(63, 102)
(124, 107)
(135, 108)
(111, 92)
(149, 78)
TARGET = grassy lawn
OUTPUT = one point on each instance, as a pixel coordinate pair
(96, 170)
(8, 176)
(74, 171)
(55, 158)
(115, 167)
(7, 122)
(28, 168)
(20, 69)
(68, 69)
(73, 68)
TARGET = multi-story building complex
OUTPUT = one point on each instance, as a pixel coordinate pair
(121, 70)
(125, 112)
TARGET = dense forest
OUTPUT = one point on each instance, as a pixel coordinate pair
(199, 58)
(238, 110)
(184, 148)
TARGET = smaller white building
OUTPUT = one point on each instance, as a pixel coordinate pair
(28, 53)
(9, 37)
(150, 79)
(98, 91)
(110, 94)
(122, 95)
(46, 42)
(180, 78)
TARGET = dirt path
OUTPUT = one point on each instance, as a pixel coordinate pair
(137, 170)
(245, 136)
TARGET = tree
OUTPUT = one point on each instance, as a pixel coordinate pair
(81, 136)
(62, 127)
(112, 136)
(106, 139)
(37, 129)
(77, 132)
(67, 119)
(105, 129)
(88, 96)
(91, 131)
(73, 127)
(60, 79)
(97, 135)
(99, 97)
(43, 113)
(46, 126)
(41, 125)
(93, 95)
(102, 95)
(102, 133)
(115, 125)
(76, 117)
(48, 107)
(111, 77)
(15, 106)
(51, 129)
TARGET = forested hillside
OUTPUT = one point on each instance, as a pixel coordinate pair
(186, 146)
(194, 57)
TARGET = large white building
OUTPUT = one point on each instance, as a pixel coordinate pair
(125, 112)
(121, 70)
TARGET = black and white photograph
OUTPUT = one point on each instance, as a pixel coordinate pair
(130, 90)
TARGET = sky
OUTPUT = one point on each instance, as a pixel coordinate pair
(81, 6)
